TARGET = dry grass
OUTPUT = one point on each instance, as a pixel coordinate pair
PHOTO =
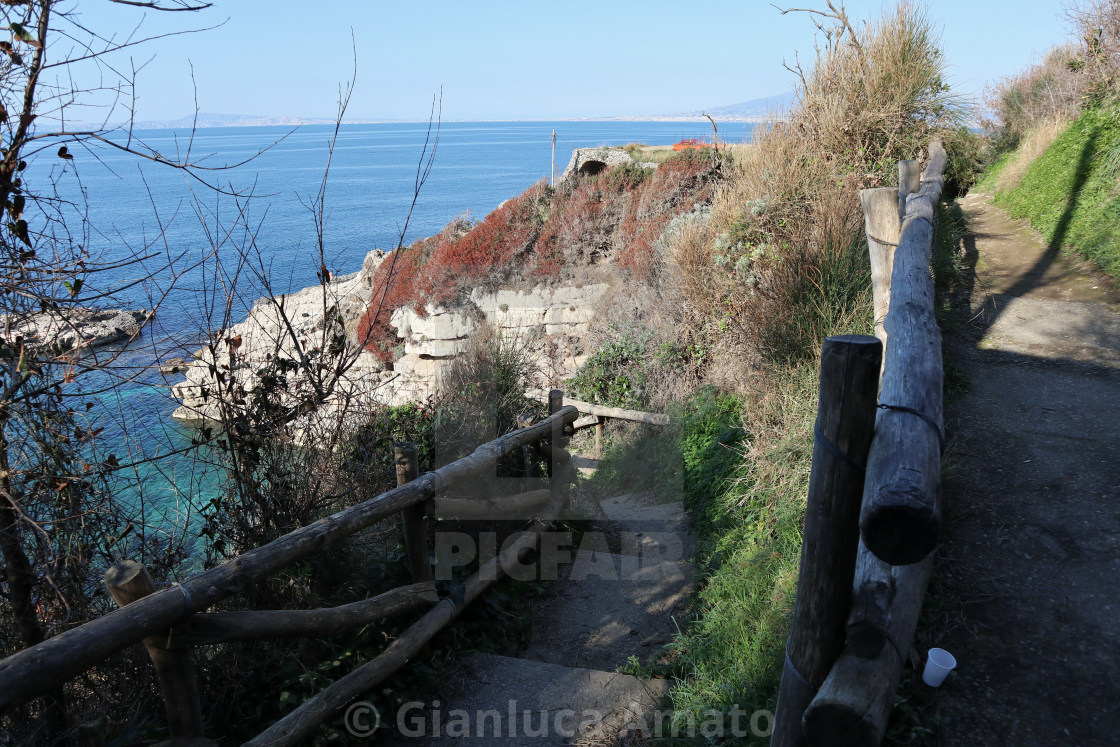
(776, 264)
(1034, 144)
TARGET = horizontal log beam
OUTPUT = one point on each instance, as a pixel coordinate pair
(618, 413)
(505, 507)
(209, 628)
(586, 421)
(44, 666)
(901, 516)
(297, 726)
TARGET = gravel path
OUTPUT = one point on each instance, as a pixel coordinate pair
(1027, 595)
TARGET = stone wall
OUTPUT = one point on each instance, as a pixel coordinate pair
(590, 161)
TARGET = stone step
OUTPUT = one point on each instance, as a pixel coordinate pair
(585, 465)
(608, 607)
(492, 699)
(1084, 331)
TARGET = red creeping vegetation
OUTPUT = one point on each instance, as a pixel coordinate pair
(394, 286)
(616, 216)
(491, 247)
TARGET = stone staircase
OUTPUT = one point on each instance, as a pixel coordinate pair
(623, 594)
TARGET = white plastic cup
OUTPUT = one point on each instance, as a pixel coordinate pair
(938, 665)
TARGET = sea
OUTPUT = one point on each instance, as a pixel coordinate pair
(253, 195)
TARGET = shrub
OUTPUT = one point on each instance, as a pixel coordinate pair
(965, 149)
(486, 252)
(1048, 92)
(482, 392)
(1097, 23)
(781, 261)
(615, 374)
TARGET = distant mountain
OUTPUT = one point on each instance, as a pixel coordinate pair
(755, 108)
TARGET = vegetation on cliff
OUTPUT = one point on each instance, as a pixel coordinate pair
(609, 221)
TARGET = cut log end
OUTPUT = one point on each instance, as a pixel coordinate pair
(123, 572)
(901, 534)
(866, 639)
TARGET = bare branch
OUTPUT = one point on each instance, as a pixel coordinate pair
(175, 5)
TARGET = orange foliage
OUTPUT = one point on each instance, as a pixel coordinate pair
(394, 286)
(618, 214)
(490, 247)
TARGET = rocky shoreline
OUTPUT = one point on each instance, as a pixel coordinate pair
(557, 318)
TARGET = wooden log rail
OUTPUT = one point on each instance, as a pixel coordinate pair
(901, 515)
(875, 601)
(602, 411)
(171, 620)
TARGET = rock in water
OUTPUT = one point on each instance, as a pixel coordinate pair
(77, 328)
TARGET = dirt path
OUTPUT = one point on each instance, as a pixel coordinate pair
(619, 589)
(1028, 593)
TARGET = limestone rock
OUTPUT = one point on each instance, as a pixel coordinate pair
(555, 320)
(77, 328)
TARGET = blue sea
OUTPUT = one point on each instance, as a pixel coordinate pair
(135, 207)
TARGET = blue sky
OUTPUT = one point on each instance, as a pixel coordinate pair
(526, 59)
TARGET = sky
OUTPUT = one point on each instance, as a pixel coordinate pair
(518, 60)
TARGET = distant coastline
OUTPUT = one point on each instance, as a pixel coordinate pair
(751, 112)
(178, 124)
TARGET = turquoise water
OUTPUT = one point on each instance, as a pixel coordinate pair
(143, 208)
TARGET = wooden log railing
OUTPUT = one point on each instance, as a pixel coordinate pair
(602, 411)
(834, 696)
(901, 514)
(170, 621)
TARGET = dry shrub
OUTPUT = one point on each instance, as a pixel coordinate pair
(1054, 91)
(1041, 97)
(877, 95)
(781, 264)
(1097, 23)
(482, 391)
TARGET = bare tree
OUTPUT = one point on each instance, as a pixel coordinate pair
(293, 375)
(56, 515)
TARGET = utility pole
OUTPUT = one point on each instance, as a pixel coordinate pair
(552, 182)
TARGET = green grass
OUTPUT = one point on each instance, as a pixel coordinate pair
(1070, 193)
(990, 178)
(749, 520)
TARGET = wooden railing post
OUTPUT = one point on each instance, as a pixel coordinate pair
(909, 182)
(556, 441)
(880, 217)
(845, 422)
(524, 421)
(127, 582)
(413, 522)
